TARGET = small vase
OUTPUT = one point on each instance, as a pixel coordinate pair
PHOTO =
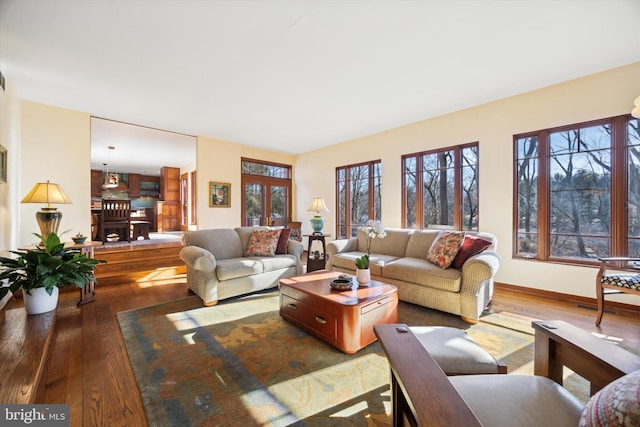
(40, 301)
(363, 276)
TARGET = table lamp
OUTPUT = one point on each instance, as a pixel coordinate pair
(317, 222)
(48, 217)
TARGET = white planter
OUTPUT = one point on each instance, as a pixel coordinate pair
(363, 275)
(40, 301)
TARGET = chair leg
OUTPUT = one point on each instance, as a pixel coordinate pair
(600, 299)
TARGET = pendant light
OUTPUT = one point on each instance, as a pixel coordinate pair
(111, 179)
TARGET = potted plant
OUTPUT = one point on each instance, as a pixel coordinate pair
(41, 271)
(374, 229)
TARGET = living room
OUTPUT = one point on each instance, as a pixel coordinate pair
(51, 141)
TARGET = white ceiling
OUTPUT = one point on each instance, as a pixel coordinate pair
(293, 76)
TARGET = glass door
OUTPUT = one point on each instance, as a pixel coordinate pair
(265, 203)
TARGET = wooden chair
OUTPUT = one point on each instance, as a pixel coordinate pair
(422, 395)
(116, 215)
(296, 230)
(615, 282)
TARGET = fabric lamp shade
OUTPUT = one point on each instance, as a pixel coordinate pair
(48, 217)
(317, 222)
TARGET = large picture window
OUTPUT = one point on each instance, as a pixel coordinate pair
(358, 196)
(440, 188)
(578, 192)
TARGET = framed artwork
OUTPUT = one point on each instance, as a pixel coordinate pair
(219, 195)
(3, 164)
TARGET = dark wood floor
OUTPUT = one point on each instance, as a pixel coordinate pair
(88, 366)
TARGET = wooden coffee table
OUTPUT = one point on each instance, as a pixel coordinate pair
(343, 319)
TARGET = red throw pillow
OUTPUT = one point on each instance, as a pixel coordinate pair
(470, 246)
(282, 242)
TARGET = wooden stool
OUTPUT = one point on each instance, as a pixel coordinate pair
(140, 228)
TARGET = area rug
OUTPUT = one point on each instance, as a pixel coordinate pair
(238, 363)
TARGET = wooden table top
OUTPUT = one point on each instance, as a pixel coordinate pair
(318, 283)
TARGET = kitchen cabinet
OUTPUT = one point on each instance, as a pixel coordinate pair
(134, 185)
(96, 183)
(170, 183)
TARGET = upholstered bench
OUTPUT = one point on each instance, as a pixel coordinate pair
(455, 352)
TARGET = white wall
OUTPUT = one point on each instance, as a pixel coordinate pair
(55, 146)
(598, 96)
(219, 161)
(9, 191)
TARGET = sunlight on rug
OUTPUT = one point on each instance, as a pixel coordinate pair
(239, 363)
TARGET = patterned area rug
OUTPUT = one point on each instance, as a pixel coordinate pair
(238, 363)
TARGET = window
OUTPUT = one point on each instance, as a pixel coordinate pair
(358, 196)
(266, 193)
(578, 194)
(440, 188)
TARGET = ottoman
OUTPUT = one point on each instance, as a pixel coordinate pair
(455, 352)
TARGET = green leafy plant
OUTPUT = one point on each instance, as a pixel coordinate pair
(48, 266)
(362, 262)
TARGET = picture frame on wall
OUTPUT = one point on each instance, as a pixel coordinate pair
(219, 195)
(3, 164)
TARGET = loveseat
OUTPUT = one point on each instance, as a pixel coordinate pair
(400, 259)
(223, 263)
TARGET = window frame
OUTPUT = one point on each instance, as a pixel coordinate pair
(266, 181)
(370, 193)
(458, 193)
(618, 236)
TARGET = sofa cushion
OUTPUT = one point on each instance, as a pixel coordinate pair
(347, 261)
(445, 248)
(281, 248)
(277, 262)
(420, 242)
(228, 269)
(422, 272)
(223, 243)
(616, 404)
(471, 246)
(394, 243)
(263, 243)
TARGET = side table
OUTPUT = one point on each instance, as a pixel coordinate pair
(313, 263)
(87, 292)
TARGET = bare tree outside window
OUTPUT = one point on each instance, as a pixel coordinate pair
(578, 191)
(448, 179)
(358, 196)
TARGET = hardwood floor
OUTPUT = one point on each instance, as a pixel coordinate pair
(88, 366)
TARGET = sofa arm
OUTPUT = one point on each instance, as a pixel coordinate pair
(198, 258)
(484, 265)
(338, 246)
(296, 249)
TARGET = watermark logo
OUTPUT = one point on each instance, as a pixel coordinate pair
(34, 415)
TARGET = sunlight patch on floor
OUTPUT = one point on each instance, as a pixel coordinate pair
(162, 276)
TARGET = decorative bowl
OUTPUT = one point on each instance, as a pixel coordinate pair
(79, 239)
(341, 284)
(112, 237)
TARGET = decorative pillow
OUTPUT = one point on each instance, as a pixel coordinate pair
(617, 404)
(281, 248)
(470, 246)
(263, 243)
(445, 248)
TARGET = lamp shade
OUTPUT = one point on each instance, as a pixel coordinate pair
(48, 217)
(317, 222)
(318, 206)
(46, 192)
(636, 111)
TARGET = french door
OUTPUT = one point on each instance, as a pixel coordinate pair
(266, 201)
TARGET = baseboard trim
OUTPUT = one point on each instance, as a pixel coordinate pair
(627, 310)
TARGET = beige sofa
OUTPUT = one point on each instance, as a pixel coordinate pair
(217, 268)
(400, 258)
